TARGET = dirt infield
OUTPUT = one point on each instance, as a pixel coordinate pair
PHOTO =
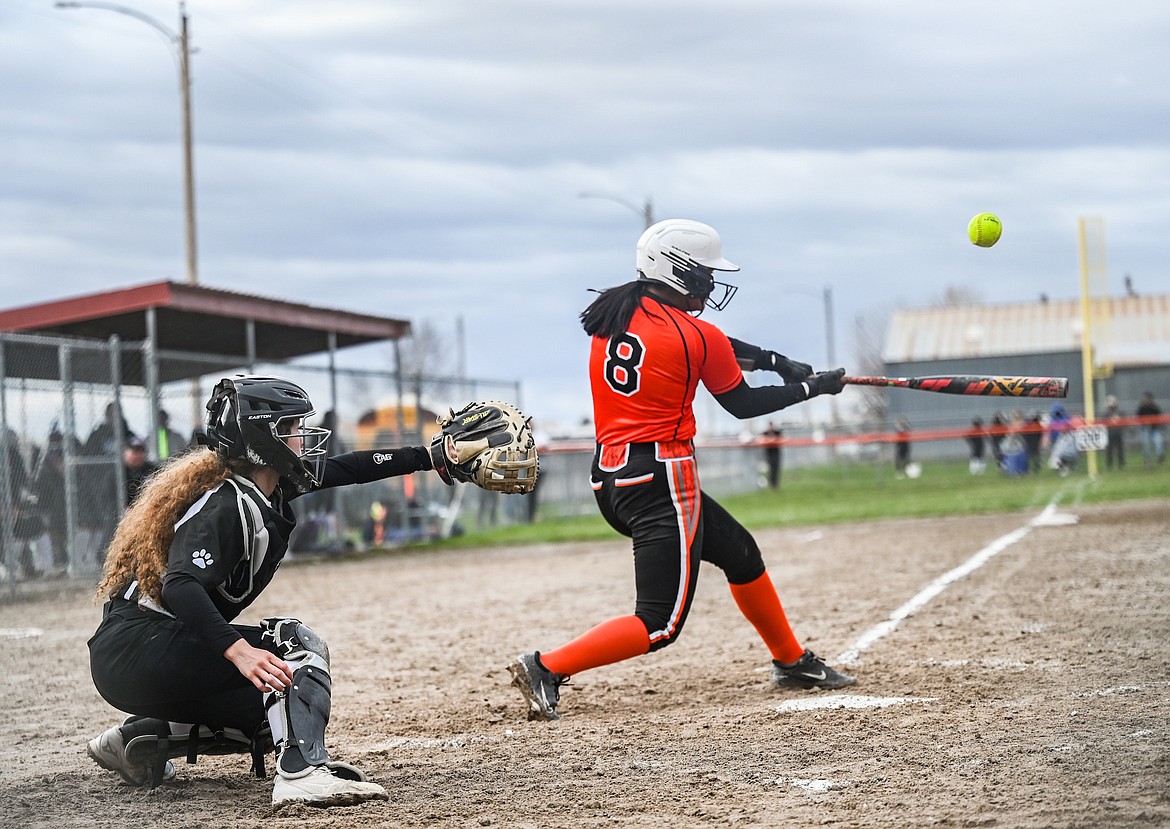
(1034, 690)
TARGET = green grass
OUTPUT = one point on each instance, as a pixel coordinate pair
(863, 492)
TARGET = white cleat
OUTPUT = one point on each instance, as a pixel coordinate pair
(320, 787)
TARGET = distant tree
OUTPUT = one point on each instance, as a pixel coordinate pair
(957, 295)
(869, 336)
(427, 358)
(427, 352)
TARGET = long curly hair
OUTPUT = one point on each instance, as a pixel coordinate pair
(143, 537)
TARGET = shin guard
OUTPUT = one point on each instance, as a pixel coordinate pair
(305, 704)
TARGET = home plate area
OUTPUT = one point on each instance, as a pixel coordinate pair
(821, 701)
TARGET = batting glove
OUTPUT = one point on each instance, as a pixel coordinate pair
(827, 382)
(791, 370)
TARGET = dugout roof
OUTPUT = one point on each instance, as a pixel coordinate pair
(195, 329)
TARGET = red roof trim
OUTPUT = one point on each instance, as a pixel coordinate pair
(199, 299)
(79, 309)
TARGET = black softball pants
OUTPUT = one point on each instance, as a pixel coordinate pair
(149, 664)
(650, 492)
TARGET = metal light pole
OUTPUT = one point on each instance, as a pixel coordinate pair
(645, 210)
(182, 48)
(829, 350)
(826, 296)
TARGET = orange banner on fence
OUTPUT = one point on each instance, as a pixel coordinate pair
(579, 445)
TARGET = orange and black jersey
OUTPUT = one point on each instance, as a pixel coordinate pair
(644, 380)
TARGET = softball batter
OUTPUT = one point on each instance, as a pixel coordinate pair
(648, 356)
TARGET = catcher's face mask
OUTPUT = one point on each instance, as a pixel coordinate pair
(261, 420)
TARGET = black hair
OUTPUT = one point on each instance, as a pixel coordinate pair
(610, 314)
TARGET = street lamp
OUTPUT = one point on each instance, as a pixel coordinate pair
(180, 43)
(645, 210)
(826, 296)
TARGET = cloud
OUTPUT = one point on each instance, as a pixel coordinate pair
(425, 159)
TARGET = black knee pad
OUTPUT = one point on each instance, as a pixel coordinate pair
(295, 640)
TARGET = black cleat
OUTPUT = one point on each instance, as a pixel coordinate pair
(808, 672)
(539, 685)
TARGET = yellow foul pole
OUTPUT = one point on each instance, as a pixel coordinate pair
(1087, 342)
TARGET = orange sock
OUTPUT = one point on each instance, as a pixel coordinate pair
(758, 602)
(612, 641)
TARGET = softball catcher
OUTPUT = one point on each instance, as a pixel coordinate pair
(200, 544)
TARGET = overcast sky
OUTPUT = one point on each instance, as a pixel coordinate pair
(424, 159)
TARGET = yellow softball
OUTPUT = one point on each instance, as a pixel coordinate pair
(984, 230)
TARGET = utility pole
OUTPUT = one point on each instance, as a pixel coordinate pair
(181, 45)
(188, 144)
(830, 352)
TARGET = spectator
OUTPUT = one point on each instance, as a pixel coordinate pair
(138, 467)
(99, 501)
(977, 442)
(111, 433)
(49, 490)
(1013, 448)
(901, 447)
(1115, 448)
(1153, 438)
(23, 522)
(1033, 440)
(996, 436)
(375, 535)
(1063, 453)
(772, 454)
(169, 441)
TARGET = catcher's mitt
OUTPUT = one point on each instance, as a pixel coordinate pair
(489, 445)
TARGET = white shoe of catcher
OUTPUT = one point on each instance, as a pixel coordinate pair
(318, 786)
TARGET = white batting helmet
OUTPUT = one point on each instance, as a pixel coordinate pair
(684, 254)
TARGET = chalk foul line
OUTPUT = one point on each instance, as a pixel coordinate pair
(1048, 517)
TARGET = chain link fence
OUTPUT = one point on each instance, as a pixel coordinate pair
(62, 477)
(69, 407)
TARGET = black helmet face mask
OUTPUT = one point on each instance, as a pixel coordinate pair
(261, 420)
(308, 443)
(699, 281)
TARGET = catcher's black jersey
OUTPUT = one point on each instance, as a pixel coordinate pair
(230, 542)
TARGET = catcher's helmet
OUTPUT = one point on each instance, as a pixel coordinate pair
(249, 417)
(685, 254)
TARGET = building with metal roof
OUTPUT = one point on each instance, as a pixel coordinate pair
(1131, 336)
(1127, 331)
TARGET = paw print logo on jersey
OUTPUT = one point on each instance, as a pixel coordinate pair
(202, 559)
